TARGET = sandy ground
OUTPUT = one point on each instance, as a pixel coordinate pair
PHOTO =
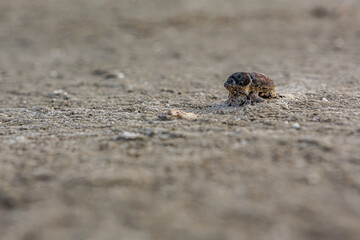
(84, 155)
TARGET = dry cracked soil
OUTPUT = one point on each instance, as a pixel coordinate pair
(84, 154)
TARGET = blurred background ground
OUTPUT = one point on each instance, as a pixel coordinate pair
(83, 154)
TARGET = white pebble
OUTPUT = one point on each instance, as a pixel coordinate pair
(60, 92)
(286, 122)
(120, 75)
(296, 125)
(129, 88)
(129, 136)
(324, 99)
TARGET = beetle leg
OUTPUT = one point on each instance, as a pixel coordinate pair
(277, 95)
(228, 102)
(254, 97)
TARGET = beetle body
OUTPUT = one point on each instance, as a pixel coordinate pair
(247, 88)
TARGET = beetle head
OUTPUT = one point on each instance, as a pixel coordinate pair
(238, 79)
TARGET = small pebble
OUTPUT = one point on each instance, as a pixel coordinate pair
(120, 75)
(60, 92)
(107, 74)
(167, 90)
(129, 88)
(43, 175)
(296, 125)
(324, 99)
(286, 122)
(98, 72)
(173, 113)
(129, 136)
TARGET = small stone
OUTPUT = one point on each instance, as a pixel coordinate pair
(109, 76)
(167, 90)
(174, 113)
(120, 75)
(296, 125)
(99, 72)
(321, 12)
(130, 88)
(60, 92)
(286, 122)
(129, 136)
(324, 99)
(43, 175)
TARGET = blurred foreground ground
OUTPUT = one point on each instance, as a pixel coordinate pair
(83, 154)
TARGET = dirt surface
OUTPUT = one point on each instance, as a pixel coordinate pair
(84, 155)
